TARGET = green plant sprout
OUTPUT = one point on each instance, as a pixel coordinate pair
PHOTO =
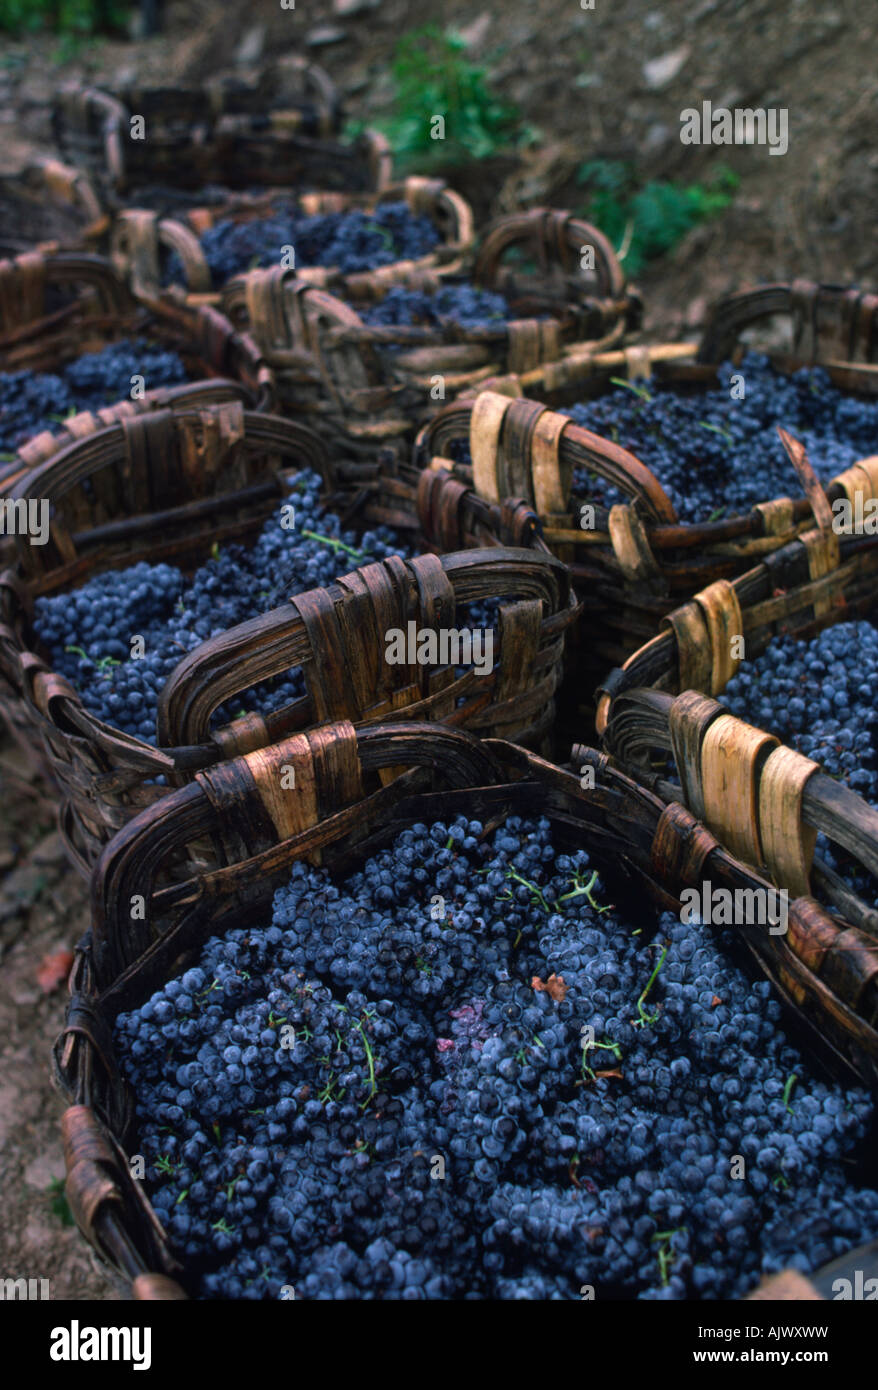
(586, 1071)
(643, 1018)
(373, 1084)
(105, 666)
(58, 1202)
(334, 544)
(640, 391)
(433, 76)
(580, 890)
(788, 1091)
(384, 232)
(665, 1252)
(329, 1091)
(718, 429)
(646, 221)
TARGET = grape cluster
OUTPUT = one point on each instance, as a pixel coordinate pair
(88, 634)
(715, 455)
(818, 696)
(34, 401)
(350, 242)
(458, 1074)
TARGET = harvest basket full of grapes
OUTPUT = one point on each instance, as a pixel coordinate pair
(836, 325)
(412, 234)
(193, 599)
(337, 1065)
(386, 363)
(739, 452)
(78, 353)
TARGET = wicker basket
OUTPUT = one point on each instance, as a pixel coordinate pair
(765, 801)
(139, 236)
(630, 565)
(279, 130)
(51, 205)
(370, 397)
(166, 487)
(54, 307)
(835, 325)
(258, 835)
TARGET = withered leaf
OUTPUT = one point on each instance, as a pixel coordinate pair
(554, 987)
(53, 970)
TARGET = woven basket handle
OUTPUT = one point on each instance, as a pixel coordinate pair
(159, 461)
(520, 448)
(339, 634)
(86, 115)
(71, 184)
(226, 350)
(311, 82)
(111, 1208)
(135, 242)
(694, 649)
(556, 240)
(25, 280)
(830, 323)
(764, 801)
(246, 796)
(192, 395)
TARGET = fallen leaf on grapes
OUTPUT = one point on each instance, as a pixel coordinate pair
(554, 987)
(53, 970)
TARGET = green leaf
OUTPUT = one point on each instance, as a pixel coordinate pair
(432, 76)
(58, 1202)
(660, 213)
